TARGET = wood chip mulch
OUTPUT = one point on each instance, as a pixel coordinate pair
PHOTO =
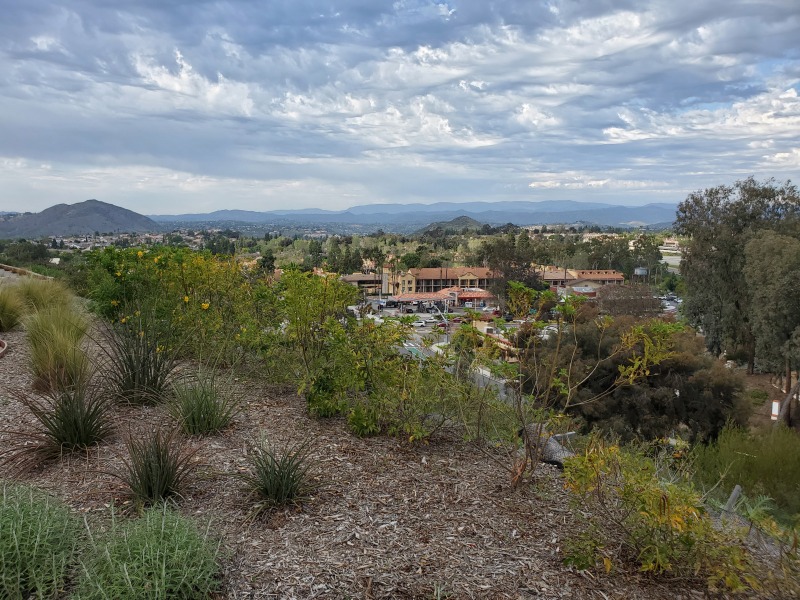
(389, 519)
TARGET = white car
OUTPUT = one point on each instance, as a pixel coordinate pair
(419, 323)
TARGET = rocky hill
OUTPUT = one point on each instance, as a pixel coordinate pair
(74, 219)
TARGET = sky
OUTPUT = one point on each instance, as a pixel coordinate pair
(184, 106)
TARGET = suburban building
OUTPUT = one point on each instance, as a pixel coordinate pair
(560, 277)
(440, 278)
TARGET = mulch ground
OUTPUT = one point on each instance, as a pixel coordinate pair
(389, 519)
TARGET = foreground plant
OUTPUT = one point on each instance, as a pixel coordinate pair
(631, 513)
(141, 359)
(161, 555)
(41, 294)
(201, 404)
(157, 467)
(57, 358)
(38, 541)
(68, 420)
(279, 477)
(11, 308)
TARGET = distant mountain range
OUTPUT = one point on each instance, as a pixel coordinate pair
(93, 215)
(408, 217)
(74, 219)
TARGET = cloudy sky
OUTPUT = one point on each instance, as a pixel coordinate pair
(171, 106)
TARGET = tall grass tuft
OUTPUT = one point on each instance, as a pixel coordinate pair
(157, 467)
(141, 359)
(201, 404)
(279, 477)
(11, 308)
(57, 358)
(38, 542)
(161, 555)
(68, 420)
(40, 294)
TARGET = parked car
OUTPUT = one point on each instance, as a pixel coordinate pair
(457, 320)
(419, 323)
(442, 325)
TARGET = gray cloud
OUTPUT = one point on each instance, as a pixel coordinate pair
(170, 107)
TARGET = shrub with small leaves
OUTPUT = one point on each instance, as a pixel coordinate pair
(157, 466)
(159, 556)
(38, 542)
(201, 405)
(279, 477)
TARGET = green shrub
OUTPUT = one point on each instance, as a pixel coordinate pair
(160, 556)
(279, 477)
(11, 308)
(201, 405)
(57, 358)
(630, 513)
(69, 419)
(38, 541)
(40, 294)
(141, 358)
(765, 463)
(157, 467)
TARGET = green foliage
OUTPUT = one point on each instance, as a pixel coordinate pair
(69, 419)
(635, 514)
(279, 477)
(201, 405)
(57, 359)
(38, 543)
(157, 466)
(40, 294)
(142, 355)
(159, 556)
(764, 463)
(11, 308)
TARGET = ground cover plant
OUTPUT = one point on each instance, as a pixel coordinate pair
(201, 403)
(158, 556)
(157, 466)
(39, 294)
(39, 539)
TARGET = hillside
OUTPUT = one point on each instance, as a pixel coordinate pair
(81, 218)
(457, 224)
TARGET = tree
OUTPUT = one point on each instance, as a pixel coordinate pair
(772, 265)
(720, 221)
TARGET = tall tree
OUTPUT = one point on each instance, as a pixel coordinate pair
(719, 222)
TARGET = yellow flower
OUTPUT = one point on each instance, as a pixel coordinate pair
(140, 254)
(155, 260)
(118, 274)
(123, 319)
(186, 299)
(136, 314)
(114, 303)
(205, 305)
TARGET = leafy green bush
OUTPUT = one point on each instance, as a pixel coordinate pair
(157, 466)
(765, 463)
(201, 405)
(630, 513)
(57, 359)
(279, 476)
(11, 308)
(159, 556)
(69, 419)
(142, 357)
(38, 541)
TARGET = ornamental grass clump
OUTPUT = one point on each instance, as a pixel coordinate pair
(157, 466)
(201, 404)
(67, 420)
(279, 477)
(41, 294)
(57, 357)
(141, 359)
(160, 555)
(39, 538)
(11, 308)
